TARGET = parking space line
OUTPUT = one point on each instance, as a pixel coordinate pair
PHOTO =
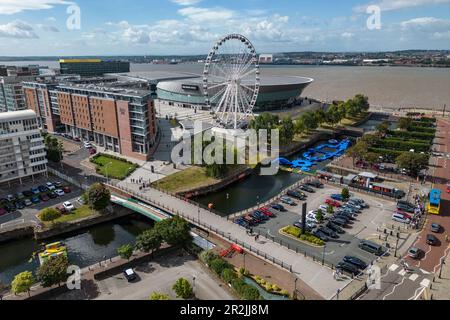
(414, 277)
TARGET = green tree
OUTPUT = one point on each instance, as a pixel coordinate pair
(299, 126)
(412, 161)
(183, 288)
(266, 121)
(49, 214)
(358, 150)
(330, 209)
(125, 251)
(319, 215)
(174, 231)
(371, 158)
(159, 296)
(405, 123)
(345, 193)
(218, 265)
(362, 102)
(229, 275)
(149, 240)
(53, 271)
(22, 283)
(98, 196)
(383, 128)
(287, 130)
(309, 120)
(54, 148)
(320, 116)
(333, 115)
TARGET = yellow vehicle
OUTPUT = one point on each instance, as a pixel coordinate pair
(52, 250)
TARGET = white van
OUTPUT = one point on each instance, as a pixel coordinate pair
(400, 218)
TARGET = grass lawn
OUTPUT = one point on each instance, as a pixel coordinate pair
(118, 169)
(191, 178)
(352, 120)
(80, 213)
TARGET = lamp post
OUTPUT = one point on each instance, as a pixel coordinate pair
(106, 171)
(228, 198)
(295, 288)
(442, 267)
(323, 254)
(193, 284)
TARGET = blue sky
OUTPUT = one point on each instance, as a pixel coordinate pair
(136, 27)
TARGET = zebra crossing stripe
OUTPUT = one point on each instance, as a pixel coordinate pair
(393, 267)
(414, 277)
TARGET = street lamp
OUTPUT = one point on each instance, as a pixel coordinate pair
(323, 254)
(228, 197)
(193, 284)
(442, 267)
(106, 171)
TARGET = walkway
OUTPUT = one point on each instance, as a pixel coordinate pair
(316, 276)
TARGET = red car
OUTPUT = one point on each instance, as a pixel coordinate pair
(406, 215)
(266, 212)
(333, 203)
(448, 189)
(44, 197)
(92, 151)
(67, 190)
(3, 212)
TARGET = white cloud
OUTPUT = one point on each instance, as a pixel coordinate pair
(18, 30)
(16, 6)
(389, 5)
(425, 22)
(47, 28)
(186, 2)
(202, 15)
(347, 35)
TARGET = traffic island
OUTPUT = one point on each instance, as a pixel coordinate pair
(308, 239)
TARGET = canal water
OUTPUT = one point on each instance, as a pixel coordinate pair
(85, 247)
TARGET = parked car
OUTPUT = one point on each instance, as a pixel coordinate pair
(28, 193)
(349, 268)
(306, 188)
(335, 227)
(288, 201)
(68, 206)
(356, 262)
(43, 189)
(333, 203)
(52, 195)
(322, 236)
(267, 212)
(371, 247)
(432, 240)
(347, 215)
(44, 197)
(448, 189)
(77, 139)
(35, 199)
(405, 215)
(337, 197)
(20, 196)
(300, 226)
(359, 201)
(339, 222)
(414, 253)
(87, 144)
(10, 197)
(330, 233)
(28, 202)
(3, 212)
(92, 151)
(67, 190)
(295, 195)
(241, 222)
(10, 207)
(20, 205)
(50, 186)
(405, 208)
(315, 184)
(278, 207)
(35, 190)
(324, 208)
(435, 227)
(58, 184)
(130, 275)
(81, 201)
(60, 192)
(400, 218)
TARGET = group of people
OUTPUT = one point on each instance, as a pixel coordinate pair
(418, 212)
(142, 183)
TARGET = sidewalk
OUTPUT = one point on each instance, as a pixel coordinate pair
(314, 275)
(440, 288)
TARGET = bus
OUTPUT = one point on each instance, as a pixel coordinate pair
(434, 205)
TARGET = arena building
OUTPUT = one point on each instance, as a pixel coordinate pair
(276, 92)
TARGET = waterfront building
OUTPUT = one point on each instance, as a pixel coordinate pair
(92, 67)
(11, 93)
(19, 71)
(22, 149)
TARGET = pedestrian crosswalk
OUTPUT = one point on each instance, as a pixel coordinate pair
(412, 274)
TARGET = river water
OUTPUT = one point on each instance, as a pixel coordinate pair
(389, 87)
(85, 247)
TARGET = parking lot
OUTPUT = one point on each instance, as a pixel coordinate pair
(29, 213)
(367, 226)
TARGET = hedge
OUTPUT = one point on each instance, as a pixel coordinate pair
(422, 129)
(400, 145)
(423, 124)
(219, 265)
(296, 232)
(228, 275)
(49, 214)
(388, 152)
(412, 135)
(245, 291)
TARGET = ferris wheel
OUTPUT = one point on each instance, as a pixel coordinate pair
(231, 80)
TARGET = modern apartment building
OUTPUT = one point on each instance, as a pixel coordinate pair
(22, 149)
(119, 119)
(11, 93)
(19, 71)
(93, 67)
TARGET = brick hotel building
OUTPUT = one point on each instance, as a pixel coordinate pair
(120, 119)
